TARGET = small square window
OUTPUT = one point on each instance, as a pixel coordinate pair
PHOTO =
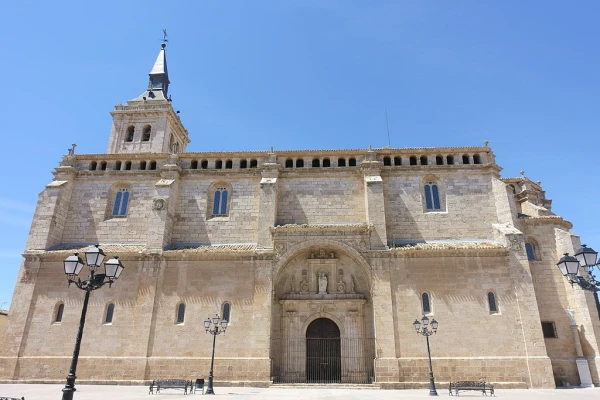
(549, 329)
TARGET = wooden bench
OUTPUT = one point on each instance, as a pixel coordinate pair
(481, 386)
(160, 384)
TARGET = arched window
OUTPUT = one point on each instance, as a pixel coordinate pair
(352, 162)
(121, 201)
(253, 163)
(103, 165)
(58, 313)
(180, 317)
(397, 160)
(244, 164)
(387, 161)
(226, 312)
(93, 165)
(153, 165)
(530, 250)
(118, 166)
(450, 160)
(465, 159)
(220, 202)
(326, 162)
(143, 165)
(228, 164)
(127, 165)
(341, 162)
(219, 164)
(204, 164)
(492, 302)
(130, 133)
(425, 303)
(299, 163)
(289, 163)
(316, 162)
(432, 196)
(439, 160)
(146, 133)
(476, 159)
(108, 315)
(194, 164)
(423, 160)
(413, 160)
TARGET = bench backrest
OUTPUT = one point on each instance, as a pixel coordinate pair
(172, 382)
(474, 384)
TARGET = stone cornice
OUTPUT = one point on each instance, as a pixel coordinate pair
(425, 250)
(331, 229)
(547, 219)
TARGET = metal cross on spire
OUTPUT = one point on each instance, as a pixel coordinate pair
(165, 40)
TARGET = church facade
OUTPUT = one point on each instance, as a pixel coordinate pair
(319, 259)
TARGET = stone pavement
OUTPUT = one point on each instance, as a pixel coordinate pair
(114, 392)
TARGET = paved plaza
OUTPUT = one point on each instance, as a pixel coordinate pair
(113, 392)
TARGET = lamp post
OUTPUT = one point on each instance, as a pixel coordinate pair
(585, 258)
(423, 328)
(214, 326)
(73, 266)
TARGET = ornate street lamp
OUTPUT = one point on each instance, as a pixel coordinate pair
(73, 266)
(215, 328)
(585, 258)
(426, 329)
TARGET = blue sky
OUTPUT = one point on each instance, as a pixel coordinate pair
(306, 75)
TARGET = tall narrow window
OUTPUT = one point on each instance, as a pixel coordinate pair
(146, 133)
(227, 312)
(426, 303)
(423, 160)
(103, 165)
(204, 164)
(130, 133)
(397, 160)
(530, 250)
(352, 162)
(220, 201)
(387, 161)
(326, 162)
(316, 162)
(244, 164)
(439, 160)
(465, 159)
(341, 162)
(450, 160)
(228, 164)
(93, 165)
(127, 165)
(299, 163)
(118, 166)
(476, 159)
(121, 200)
(108, 317)
(413, 160)
(59, 313)
(492, 303)
(152, 165)
(432, 196)
(143, 165)
(194, 164)
(180, 313)
(219, 164)
(253, 163)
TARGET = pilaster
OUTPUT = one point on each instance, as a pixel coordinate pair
(267, 214)
(374, 200)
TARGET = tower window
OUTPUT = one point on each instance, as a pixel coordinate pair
(194, 164)
(220, 202)
(152, 165)
(316, 163)
(413, 160)
(204, 164)
(118, 166)
(423, 160)
(127, 165)
(432, 196)
(439, 160)
(93, 165)
(299, 163)
(341, 162)
(253, 163)
(326, 162)
(244, 164)
(58, 315)
(425, 303)
(476, 159)
(130, 133)
(103, 165)
(492, 303)
(228, 164)
(352, 162)
(121, 200)
(465, 159)
(387, 161)
(143, 165)
(180, 318)
(146, 133)
(397, 160)
(219, 164)
(450, 160)
(289, 163)
(108, 317)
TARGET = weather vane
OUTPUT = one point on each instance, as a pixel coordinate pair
(165, 36)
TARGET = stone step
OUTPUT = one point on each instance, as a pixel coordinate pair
(354, 386)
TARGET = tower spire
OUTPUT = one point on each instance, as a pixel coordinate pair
(158, 82)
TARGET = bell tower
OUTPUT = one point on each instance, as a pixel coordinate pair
(148, 123)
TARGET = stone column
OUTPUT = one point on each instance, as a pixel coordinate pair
(583, 368)
(267, 214)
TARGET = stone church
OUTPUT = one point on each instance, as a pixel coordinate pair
(319, 259)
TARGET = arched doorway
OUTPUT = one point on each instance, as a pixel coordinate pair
(323, 352)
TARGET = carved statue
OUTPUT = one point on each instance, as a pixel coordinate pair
(293, 284)
(341, 286)
(323, 283)
(322, 253)
(304, 282)
(352, 284)
(572, 316)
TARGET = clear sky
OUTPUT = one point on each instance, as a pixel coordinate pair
(313, 74)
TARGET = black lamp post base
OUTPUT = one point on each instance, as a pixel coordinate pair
(68, 393)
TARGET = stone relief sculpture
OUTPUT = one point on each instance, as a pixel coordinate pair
(304, 282)
(352, 285)
(341, 286)
(322, 283)
(293, 284)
